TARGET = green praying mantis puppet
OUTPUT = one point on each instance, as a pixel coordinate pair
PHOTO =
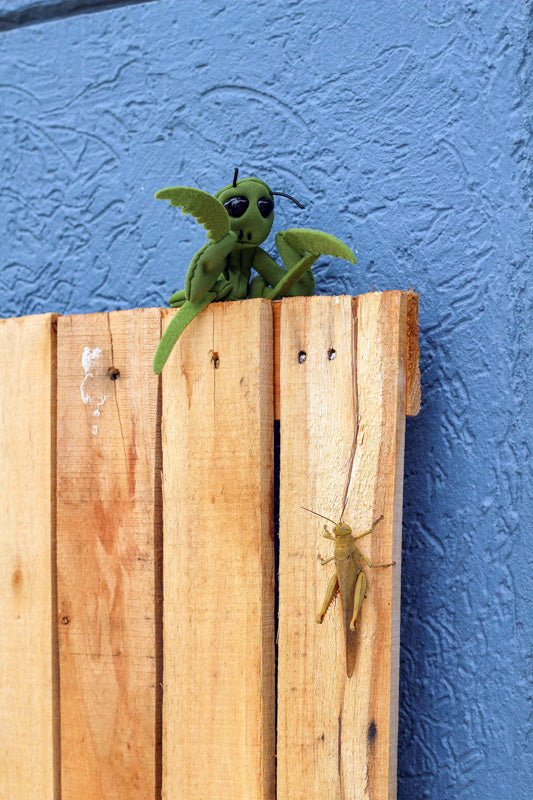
(238, 219)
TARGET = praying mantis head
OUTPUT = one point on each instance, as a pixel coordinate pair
(249, 203)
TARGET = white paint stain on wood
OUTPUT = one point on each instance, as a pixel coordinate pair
(92, 394)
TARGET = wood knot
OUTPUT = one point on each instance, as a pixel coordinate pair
(17, 580)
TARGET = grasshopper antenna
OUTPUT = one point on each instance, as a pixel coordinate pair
(349, 476)
(354, 440)
(318, 515)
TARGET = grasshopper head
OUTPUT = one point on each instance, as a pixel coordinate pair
(342, 529)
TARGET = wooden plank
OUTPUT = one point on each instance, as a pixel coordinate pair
(28, 677)
(108, 554)
(413, 395)
(217, 432)
(337, 736)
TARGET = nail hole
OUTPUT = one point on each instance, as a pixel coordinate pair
(302, 356)
(113, 373)
(332, 354)
(215, 360)
(65, 620)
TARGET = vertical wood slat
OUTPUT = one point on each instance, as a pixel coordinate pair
(108, 555)
(217, 433)
(28, 679)
(337, 736)
(412, 355)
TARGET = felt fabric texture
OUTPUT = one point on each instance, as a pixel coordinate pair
(286, 285)
(177, 299)
(176, 327)
(221, 269)
(319, 243)
(229, 191)
(272, 273)
(209, 212)
(288, 254)
(207, 265)
(251, 228)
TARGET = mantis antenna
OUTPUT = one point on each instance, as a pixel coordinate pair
(294, 200)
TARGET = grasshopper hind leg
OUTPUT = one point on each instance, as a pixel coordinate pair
(358, 597)
(331, 592)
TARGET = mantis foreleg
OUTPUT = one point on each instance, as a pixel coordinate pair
(293, 275)
(206, 267)
(177, 299)
(176, 326)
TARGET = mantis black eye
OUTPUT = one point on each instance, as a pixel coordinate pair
(265, 206)
(236, 206)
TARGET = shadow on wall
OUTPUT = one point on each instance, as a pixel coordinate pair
(418, 673)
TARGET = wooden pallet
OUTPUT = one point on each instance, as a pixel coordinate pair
(138, 585)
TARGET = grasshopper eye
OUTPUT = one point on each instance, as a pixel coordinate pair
(265, 206)
(236, 206)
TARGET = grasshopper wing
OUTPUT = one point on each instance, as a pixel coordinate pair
(305, 240)
(205, 208)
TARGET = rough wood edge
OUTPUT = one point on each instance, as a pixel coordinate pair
(412, 357)
(413, 395)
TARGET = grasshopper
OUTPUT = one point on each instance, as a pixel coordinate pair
(348, 580)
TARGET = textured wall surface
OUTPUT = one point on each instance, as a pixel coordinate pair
(403, 128)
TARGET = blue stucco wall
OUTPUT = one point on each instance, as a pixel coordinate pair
(403, 127)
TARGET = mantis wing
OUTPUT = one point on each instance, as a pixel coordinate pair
(205, 208)
(305, 240)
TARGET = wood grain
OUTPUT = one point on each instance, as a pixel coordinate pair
(217, 431)
(412, 358)
(412, 355)
(28, 676)
(337, 736)
(108, 555)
